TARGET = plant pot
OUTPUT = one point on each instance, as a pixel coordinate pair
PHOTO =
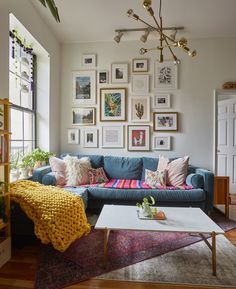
(15, 174)
(24, 173)
(39, 164)
(145, 211)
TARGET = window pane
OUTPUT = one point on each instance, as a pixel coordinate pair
(14, 88)
(28, 146)
(28, 126)
(16, 124)
(17, 149)
(26, 94)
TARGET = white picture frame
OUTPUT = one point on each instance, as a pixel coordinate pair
(139, 108)
(83, 116)
(73, 136)
(138, 138)
(84, 87)
(119, 73)
(162, 142)
(161, 100)
(103, 77)
(165, 75)
(113, 136)
(140, 83)
(89, 60)
(90, 138)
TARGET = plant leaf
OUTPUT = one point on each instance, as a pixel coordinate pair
(43, 2)
(52, 6)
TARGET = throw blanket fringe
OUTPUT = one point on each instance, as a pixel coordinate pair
(59, 216)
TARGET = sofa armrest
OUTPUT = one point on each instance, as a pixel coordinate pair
(195, 180)
(49, 179)
(208, 177)
(40, 172)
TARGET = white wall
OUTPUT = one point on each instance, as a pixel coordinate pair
(27, 15)
(194, 100)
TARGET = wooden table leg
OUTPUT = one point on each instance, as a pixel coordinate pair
(106, 236)
(213, 235)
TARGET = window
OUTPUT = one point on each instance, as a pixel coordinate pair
(22, 96)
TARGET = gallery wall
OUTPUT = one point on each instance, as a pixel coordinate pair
(193, 100)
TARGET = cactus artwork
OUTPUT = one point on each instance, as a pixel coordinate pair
(139, 110)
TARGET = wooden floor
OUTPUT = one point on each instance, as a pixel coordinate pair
(19, 273)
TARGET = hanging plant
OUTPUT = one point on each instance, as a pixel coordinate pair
(53, 8)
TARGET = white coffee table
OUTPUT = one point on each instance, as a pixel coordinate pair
(186, 220)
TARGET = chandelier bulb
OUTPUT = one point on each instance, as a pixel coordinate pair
(118, 37)
(176, 61)
(182, 42)
(130, 13)
(142, 51)
(147, 4)
(193, 53)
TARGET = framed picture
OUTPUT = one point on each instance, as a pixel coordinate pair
(166, 121)
(73, 136)
(112, 104)
(91, 138)
(89, 60)
(161, 101)
(140, 65)
(113, 136)
(103, 77)
(165, 75)
(138, 137)
(84, 87)
(161, 142)
(140, 108)
(83, 116)
(119, 72)
(140, 83)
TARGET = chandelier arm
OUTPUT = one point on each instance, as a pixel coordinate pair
(164, 37)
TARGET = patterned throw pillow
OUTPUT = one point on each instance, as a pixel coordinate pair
(176, 170)
(155, 178)
(97, 176)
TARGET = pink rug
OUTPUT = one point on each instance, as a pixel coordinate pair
(84, 258)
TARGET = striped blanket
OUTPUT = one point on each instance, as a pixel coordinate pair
(134, 184)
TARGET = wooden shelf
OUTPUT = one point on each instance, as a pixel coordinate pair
(5, 247)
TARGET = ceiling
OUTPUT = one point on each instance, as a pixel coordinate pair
(96, 20)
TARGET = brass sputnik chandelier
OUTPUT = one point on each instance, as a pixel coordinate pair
(165, 41)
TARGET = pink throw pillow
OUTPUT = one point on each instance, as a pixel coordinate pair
(98, 176)
(58, 167)
(176, 170)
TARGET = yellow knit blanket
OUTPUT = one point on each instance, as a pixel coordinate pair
(58, 215)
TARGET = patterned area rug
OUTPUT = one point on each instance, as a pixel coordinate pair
(84, 258)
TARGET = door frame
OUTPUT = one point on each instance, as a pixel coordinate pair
(218, 94)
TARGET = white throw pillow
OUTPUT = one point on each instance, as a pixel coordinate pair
(77, 170)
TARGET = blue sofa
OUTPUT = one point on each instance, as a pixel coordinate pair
(201, 195)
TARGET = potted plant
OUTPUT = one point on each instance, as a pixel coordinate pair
(26, 165)
(40, 158)
(145, 208)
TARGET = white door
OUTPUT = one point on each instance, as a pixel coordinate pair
(226, 141)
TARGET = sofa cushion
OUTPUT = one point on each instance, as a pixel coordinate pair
(137, 195)
(123, 167)
(149, 164)
(96, 160)
(79, 191)
(155, 178)
(195, 180)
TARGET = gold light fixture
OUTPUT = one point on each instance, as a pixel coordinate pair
(165, 41)
(118, 36)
